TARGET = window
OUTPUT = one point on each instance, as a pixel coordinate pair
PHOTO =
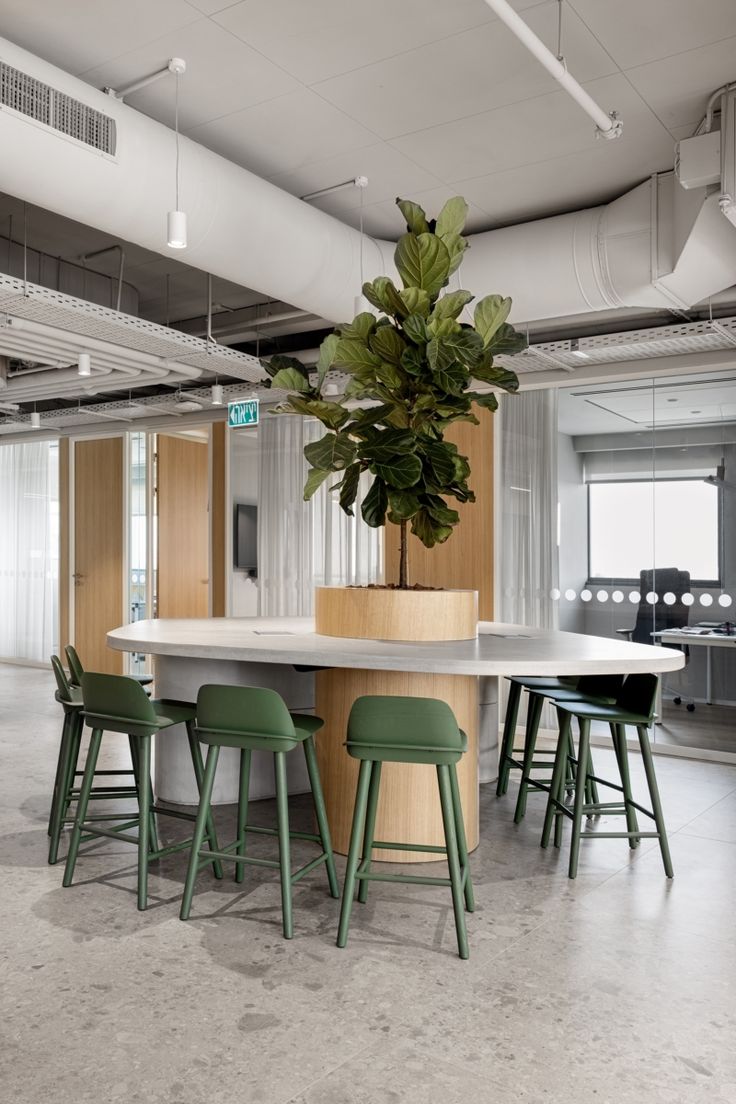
(634, 526)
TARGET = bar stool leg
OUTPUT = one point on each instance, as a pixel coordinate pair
(453, 858)
(200, 827)
(82, 803)
(135, 760)
(533, 717)
(462, 843)
(622, 757)
(58, 804)
(320, 812)
(282, 812)
(370, 828)
(211, 835)
(577, 818)
(243, 793)
(356, 837)
(557, 785)
(144, 818)
(507, 742)
(646, 754)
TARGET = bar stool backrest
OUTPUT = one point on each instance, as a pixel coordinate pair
(64, 690)
(403, 722)
(76, 670)
(116, 703)
(242, 711)
(638, 695)
(600, 686)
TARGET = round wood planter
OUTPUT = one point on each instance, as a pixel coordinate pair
(375, 613)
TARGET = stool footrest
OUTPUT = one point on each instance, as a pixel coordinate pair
(414, 879)
(208, 857)
(107, 792)
(104, 773)
(389, 846)
(620, 835)
(173, 813)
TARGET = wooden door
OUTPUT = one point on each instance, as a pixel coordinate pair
(98, 550)
(182, 488)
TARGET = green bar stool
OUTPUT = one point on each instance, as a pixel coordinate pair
(76, 670)
(255, 719)
(115, 703)
(510, 757)
(406, 730)
(65, 790)
(634, 705)
(600, 689)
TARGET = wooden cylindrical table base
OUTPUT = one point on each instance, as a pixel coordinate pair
(409, 807)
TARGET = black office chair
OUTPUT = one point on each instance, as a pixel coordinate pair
(656, 617)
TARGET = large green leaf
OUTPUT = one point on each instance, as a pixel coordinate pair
(499, 377)
(490, 313)
(354, 355)
(326, 357)
(423, 262)
(388, 344)
(403, 505)
(507, 341)
(488, 400)
(349, 488)
(375, 504)
(452, 379)
(415, 328)
(333, 452)
(451, 219)
(438, 509)
(278, 362)
(464, 346)
(415, 301)
(383, 445)
(290, 379)
(366, 419)
(403, 471)
(429, 531)
(331, 414)
(451, 305)
(361, 327)
(416, 220)
(383, 294)
(455, 245)
(315, 479)
(389, 376)
(440, 459)
(414, 361)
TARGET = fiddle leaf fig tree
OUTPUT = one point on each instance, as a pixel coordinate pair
(412, 372)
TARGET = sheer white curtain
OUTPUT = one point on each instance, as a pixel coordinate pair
(29, 550)
(529, 493)
(302, 545)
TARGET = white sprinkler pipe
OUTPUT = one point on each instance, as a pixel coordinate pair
(607, 125)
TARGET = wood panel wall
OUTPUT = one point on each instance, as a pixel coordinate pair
(466, 559)
(182, 478)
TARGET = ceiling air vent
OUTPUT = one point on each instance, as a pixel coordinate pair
(44, 104)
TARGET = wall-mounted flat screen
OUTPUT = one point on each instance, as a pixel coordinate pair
(245, 533)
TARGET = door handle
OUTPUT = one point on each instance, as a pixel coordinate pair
(77, 577)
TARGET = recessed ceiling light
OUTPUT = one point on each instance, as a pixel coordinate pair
(696, 411)
(672, 400)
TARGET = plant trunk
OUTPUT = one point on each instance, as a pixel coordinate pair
(403, 558)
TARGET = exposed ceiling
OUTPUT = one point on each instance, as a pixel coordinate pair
(425, 97)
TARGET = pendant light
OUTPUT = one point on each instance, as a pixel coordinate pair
(84, 364)
(217, 394)
(35, 420)
(176, 221)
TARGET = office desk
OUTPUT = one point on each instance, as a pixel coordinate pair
(701, 638)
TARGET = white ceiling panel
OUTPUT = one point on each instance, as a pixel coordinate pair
(678, 87)
(77, 34)
(525, 133)
(600, 172)
(325, 38)
(245, 77)
(281, 135)
(381, 163)
(637, 31)
(476, 71)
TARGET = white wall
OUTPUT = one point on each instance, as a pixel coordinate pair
(243, 489)
(573, 499)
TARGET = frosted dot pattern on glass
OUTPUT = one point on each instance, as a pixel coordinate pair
(725, 600)
(652, 597)
(688, 599)
(706, 599)
(669, 598)
(554, 594)
(635, 597)
(586, 594)
(602, 595)
(571, 594)
(618, 596)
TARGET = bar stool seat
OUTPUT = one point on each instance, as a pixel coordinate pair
(116, 703)
(256, 719)
(406, 730)
(76, 670)
(65, 789)
(634, 705)
(510, 757)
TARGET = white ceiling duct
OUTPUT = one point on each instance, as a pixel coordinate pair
(654, 247)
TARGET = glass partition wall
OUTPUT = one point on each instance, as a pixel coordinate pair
(622, 522)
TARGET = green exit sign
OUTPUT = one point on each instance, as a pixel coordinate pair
(243, 412)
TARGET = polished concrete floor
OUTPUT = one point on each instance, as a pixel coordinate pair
(619, 987)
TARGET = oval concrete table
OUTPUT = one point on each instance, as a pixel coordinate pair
(269, 652)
